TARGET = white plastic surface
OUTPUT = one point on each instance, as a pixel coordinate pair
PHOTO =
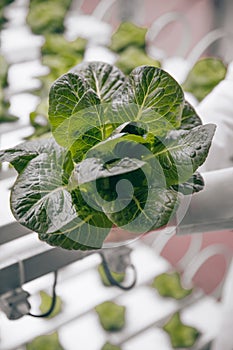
(217, 108)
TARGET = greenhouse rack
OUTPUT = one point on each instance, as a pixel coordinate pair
(163, 312)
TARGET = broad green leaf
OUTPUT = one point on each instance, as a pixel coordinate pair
(91, 169)
(119, 277)
(111, 316)
(194, 184)
(133, 128)
(140, 209)
(181, 335)
(108, 346)
(87, 230)
(45, 342)
(133, 57)
(76, 116)
(150, 96)
(103, 78)
(74, 110)
(84, 145)
(46, 301)
(135, 197)
(20, 155)
(204, 76)
(181, 157)
(189, 119)
(62, 240)
(40, 200)
(78, 120)
(128, 34)
(88, 140)
(68, 95)
(129, 191)
(119, 146)
(169, 285)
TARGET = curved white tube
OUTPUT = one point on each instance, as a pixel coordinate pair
(195, 264)
(102, 8)
(204, 43)
(169, 17)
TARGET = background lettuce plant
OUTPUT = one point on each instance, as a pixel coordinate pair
(59, 55)
(124, 150)
(5, 115)
(204, 76)
(47, 16)
(129, 42)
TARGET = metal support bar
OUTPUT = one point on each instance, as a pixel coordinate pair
(37, 266)
(12, 231)
(53, 260)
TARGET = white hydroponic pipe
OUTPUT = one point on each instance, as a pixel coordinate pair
(212, 208)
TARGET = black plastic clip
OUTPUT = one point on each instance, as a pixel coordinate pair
(121, 263)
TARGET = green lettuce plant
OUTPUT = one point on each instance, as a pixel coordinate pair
(169, 285)
(128, 35)
(181, 336)
(47, 16)
(111, 316)
(129, 42)
(204, 76)
(59, 55)
(5, 115)
(124, 151)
